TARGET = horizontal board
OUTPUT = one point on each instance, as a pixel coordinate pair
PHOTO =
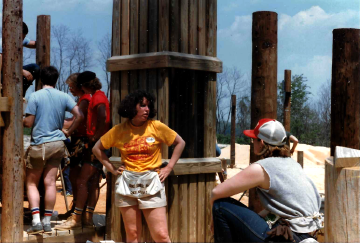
(187, 166)
(164, 60)
(346, 157)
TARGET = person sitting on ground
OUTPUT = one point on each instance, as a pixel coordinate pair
(79, 137)
(45, 113)
(98, 122)
(139, 140)
(289, 196)
(30, 71)
(293, 139)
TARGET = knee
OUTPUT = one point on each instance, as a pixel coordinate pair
(162, 235)
(49, 182)
(81, 182)
(131, 233)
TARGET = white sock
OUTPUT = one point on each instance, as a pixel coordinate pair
(35, 215)
(47, 216)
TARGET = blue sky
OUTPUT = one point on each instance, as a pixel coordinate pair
(304, 29)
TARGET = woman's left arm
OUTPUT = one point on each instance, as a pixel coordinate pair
(179, 144)
(252, 176)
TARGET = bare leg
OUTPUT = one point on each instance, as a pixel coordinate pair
(156, 220)
(32, 181)
(74, 174)
(132, 220)
(50, 174)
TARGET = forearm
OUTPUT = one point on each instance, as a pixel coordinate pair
(101, 156)
(178, 149)
(74, 124)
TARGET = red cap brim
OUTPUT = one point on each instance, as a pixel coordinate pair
(250, 133)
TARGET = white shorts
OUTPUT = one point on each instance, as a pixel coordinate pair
(156, 201)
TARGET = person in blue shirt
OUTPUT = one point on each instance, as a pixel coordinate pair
(45, 114)
(30, 71)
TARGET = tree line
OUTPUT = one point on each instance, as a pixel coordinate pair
(310, 114)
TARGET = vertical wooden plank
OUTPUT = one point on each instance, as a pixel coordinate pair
(113, 217)
(201, 205)
(210, 27)
(210, 184)
(263, 78)
(183, 212)
(153, 46)
(193, 26)
(43, 33)
(143, 40)
(233, 124)
(174, 207)
(287, 102)
(164, 9)
(210, 115)
(163, 104)
(13, 154)
(300, 158)
(184, 26)
(174, 25)
(202, 27)
(125, 45)
(134, 41)
(193, 208)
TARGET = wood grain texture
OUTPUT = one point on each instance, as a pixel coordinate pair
(193, 208)
(287, 102)
(202, 27)
(174, 25)
(184, 208)
(193, 26)
(164, 11)
(12, 146)
(345, 89)
(134, 41)
(346, 157)
(184, 26)
(342, 214)
(43, 33)
(4, 104)
(164, 60)
(163, 105)
(143, 39)
(174, 207)
(300, 158)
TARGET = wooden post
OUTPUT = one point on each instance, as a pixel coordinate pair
(13, 154)
(300, 158)
(233, 131)
(43, 33)
(263, 78)
(287, 100)
(342, 187)
(345, 89)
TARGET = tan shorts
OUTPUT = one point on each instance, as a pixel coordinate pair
(51, 153)
(156, 201)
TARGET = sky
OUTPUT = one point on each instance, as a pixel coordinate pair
(304, 30)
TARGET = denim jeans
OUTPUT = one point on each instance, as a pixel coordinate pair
(34, 69)
(234, 222)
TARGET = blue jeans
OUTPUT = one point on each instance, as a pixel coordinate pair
(234, 222)
(218, 150)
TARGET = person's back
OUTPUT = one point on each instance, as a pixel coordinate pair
(49, 106)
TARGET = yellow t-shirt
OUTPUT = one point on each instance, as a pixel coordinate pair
(139, 146)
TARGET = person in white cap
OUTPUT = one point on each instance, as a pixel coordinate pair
(290, 198)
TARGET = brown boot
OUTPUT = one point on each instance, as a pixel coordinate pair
(87, 220)
(72, 222)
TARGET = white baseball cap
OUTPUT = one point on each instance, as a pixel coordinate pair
(270, 131)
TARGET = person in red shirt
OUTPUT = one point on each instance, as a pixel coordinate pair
(98, 121)
(79, 137)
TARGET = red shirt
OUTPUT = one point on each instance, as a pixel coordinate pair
(81, 130)
(98, 98)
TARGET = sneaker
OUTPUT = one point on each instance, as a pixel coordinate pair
(69, 194)
(70, 223)
(35, 229)
(47, 229)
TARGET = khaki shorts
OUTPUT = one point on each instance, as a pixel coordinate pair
(39, 156)
(156, 201)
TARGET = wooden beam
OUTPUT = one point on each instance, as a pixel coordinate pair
(43, 33)
(233, 131)
(187, 166)
(346, 157)
(300, 158)
(164, 60)
(4, 104)
(287, 101)
(13, 146)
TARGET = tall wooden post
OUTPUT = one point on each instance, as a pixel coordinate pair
(43, 33)
(263, 78)
(345, 89)
(13, 154)
(300, 158)
(233, 131)
(287, 100)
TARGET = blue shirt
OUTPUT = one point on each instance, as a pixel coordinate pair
(48, 106)
(26, 41)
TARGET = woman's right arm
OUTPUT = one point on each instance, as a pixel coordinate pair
(98, 151)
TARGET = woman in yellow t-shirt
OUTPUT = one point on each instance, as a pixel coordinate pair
(140, 181)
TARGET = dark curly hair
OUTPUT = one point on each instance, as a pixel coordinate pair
(127, 107)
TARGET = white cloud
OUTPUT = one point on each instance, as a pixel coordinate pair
(66, 5)
(239, 31)
(230, 7)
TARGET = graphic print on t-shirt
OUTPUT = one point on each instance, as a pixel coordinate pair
(140, 148)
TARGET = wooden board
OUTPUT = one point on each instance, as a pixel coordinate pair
(164, 60)
(346, 157)
(4, 104)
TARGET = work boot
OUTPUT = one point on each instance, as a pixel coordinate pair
(87, 220)
(35, 229)
(70, 223)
